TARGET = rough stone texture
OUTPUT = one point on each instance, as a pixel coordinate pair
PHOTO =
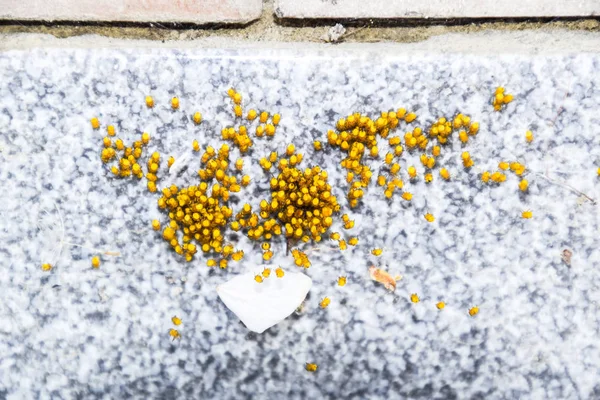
(193, 11)
(76, 332)
(435, 8)
(269, 29)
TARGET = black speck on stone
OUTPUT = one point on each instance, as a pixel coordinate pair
(252, 377)
(96, 316)
(422, 393)
(448, 392)
(274, 361)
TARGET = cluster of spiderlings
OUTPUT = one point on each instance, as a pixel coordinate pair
(464, 121)
(108, 153)
(240, 136)
(215, 167)
(441, 130)
(264, 128)
(494, 177)
(415, 139)
(267, 252)
(348, 223)
(174, 333)
(301, 201)
(440, 305)
(429, 163)
(249, 221)
(228, 252)
(200, 211)
(199, 215)
(341, 242)
(517, 168)
(300, 258)
(499, 177)
(394, 183)
(393, 168)
(259, 278)
(293, 160)
(356, 134)
(153, 165)
(128, 165)
(467, 160)
(501, 98)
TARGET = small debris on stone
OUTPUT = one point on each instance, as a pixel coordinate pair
(335, 33)
(566, 256)
(300, 310)
(384, 278)
(102, 295)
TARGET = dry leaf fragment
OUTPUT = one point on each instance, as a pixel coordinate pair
(381, 276)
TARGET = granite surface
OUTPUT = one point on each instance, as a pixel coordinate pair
(76, 332)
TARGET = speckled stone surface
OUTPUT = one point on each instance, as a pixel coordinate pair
(76, 332)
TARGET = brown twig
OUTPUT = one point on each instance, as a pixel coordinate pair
(354, 32)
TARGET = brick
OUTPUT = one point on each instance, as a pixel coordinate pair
(337, 9)
(182, 11)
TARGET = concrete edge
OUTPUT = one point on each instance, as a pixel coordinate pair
(141, 22)
(479, 43)
(421, 11)
(250, 15)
